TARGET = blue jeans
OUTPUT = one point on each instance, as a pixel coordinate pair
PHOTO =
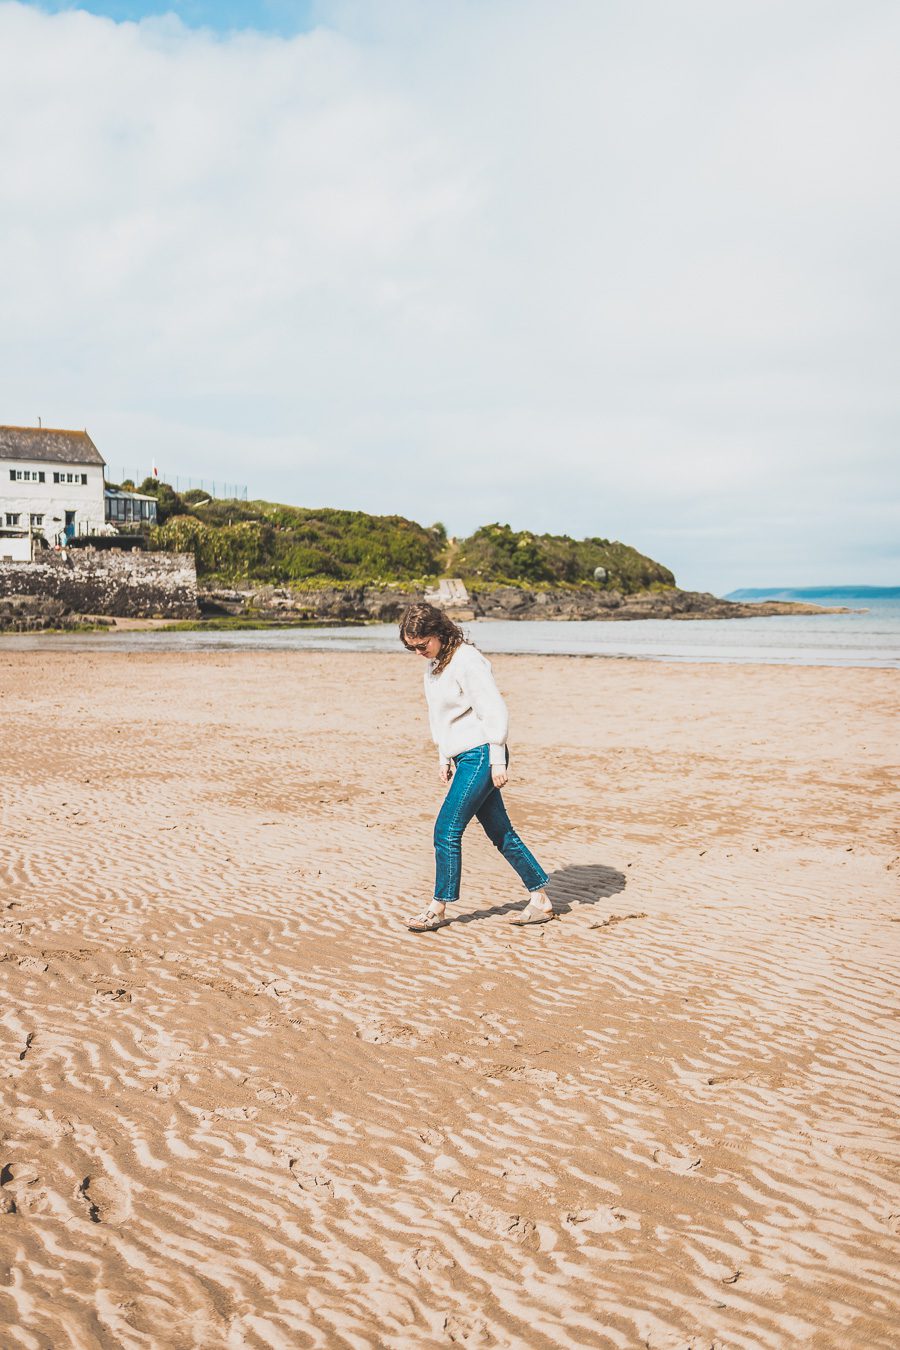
(472, 793)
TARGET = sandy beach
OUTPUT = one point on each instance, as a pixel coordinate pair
(242, 1106)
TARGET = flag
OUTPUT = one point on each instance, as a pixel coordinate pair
(155, 470)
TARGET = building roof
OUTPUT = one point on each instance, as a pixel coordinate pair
(48, 446)
(136, 496)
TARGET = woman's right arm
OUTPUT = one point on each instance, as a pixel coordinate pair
(444, 768)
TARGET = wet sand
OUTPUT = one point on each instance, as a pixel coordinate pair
(242, 1106)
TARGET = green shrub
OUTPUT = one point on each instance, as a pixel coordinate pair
(168, 502)
(498, 553)
(262, 541)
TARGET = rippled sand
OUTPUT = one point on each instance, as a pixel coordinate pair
(242, 1106)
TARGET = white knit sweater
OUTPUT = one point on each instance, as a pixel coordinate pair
(465, 707)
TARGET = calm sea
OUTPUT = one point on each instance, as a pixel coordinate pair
(868, 636)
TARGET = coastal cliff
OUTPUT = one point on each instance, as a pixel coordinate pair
(263, 563)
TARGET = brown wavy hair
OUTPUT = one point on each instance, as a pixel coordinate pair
(425, 621)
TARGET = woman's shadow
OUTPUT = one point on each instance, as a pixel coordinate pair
(567, 888)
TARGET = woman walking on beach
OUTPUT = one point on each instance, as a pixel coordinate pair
(469, 724)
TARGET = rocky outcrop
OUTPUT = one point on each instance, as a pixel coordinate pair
(325, 604)
(385, 604)
(510, 602)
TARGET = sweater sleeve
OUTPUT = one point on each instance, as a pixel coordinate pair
(487, 701)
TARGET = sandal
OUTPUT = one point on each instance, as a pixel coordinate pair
(427, 921)
(533, 913)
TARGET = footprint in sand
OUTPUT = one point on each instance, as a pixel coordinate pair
(165, 1087)
(604, 1219)
(15, 1178)
(276, 988)
(644, 1090)
(682, 1161)
(274, 1096)
(234, 1113)
(467, 1331)
(617, 918)
(428, 1259)
(311, 1180)
(520, 1170)
(114, 995)
(751, 1079)
(43, 1124)
(506, 1227)
(524, 1073)
(388, 1033)
(21, 1191)
(108, 1201)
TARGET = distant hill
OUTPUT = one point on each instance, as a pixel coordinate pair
(266, 542)
(833, 595)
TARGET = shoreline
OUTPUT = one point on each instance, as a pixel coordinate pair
(850, 640)
(101, 644)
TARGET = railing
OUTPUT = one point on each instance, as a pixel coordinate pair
(213, 487)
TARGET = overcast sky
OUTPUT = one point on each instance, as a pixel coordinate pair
(612, 267)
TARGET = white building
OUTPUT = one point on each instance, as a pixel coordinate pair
(51, 488)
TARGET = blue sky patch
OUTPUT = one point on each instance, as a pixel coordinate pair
(284, 17)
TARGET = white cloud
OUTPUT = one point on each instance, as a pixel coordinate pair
(623, 269)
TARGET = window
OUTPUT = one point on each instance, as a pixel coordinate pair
(37, 520)
(70, 478)
(12, 519)
(26, 476)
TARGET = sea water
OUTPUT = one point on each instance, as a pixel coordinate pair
(869, 635)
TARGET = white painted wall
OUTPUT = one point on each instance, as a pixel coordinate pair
(13, 549)
(52, 500)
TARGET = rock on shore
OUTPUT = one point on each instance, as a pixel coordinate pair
(36, 613)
